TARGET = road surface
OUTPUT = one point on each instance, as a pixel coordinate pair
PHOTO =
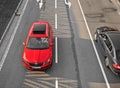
(75, 64)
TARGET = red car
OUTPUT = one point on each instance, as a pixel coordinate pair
(38, 47)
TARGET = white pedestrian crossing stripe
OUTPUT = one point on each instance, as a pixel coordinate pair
(40, 79)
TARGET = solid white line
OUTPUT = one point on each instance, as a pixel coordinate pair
(98, 58)
(56, 50)
(56, 83)
(55, 21)
(55, 4)
(12, 37)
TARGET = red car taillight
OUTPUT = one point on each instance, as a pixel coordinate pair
(116, 66)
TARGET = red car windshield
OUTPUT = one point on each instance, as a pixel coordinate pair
(38, 43)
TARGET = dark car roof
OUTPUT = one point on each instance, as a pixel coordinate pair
(115, 38)
(39, 29)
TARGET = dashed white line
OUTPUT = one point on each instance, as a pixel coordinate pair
(56, 83)
(56, 50)
(56, 44)
(55, 4)
(56, 41)
(98, 58)
(55, 21)
(12, 37)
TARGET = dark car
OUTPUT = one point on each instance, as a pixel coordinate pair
(109, 39)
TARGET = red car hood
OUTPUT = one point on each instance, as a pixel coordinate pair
(37, 56)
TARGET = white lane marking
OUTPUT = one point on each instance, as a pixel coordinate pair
(12, 37)
(98, 58)
(56, 50)
(55, 21)
(68, 3)
(56, 83)
(56, 42)
(40, 2)
(55, 4)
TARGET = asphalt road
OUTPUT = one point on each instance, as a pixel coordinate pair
(75, 64)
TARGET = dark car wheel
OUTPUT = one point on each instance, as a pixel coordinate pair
(107, 62)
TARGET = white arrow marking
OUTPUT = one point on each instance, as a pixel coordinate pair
(40, 5)
(68, 3)
(40, 2)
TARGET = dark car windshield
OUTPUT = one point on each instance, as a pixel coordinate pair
(38, 43)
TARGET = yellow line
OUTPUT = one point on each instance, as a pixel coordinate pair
(37, 84)
(41, 75)
(30, 85)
